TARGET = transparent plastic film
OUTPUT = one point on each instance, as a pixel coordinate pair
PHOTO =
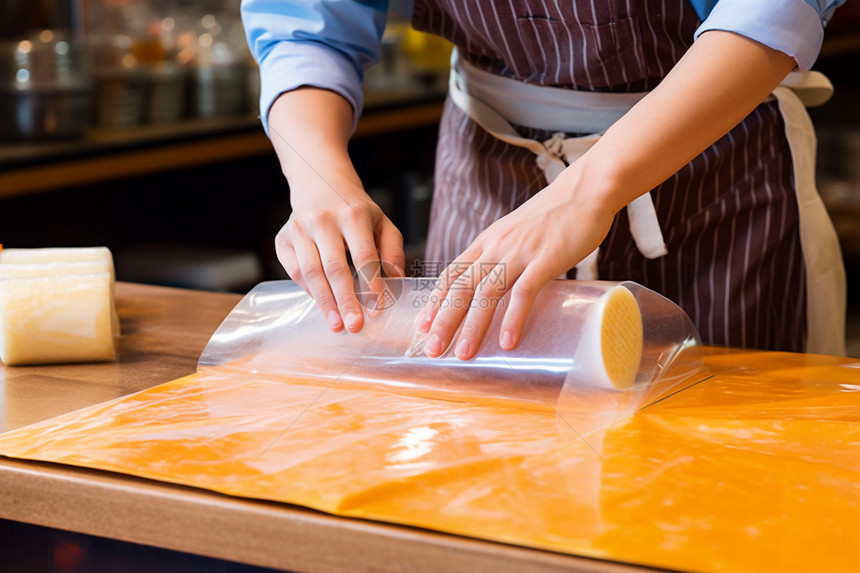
(594, 352)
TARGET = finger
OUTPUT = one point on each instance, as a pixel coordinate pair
(485, 303)
(453, 309)
(442, 286)
(316, 283)
(523, 293)
(334, 261)
(362, 248)
(436, 296)
(287, 257)
(389, 242)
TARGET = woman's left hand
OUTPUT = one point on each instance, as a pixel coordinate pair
(521, 252)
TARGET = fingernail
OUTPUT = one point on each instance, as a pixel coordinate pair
(424, 324)
(352, 321)
(464, 349)
(433, 348)
(507, 340)
(374, 309)
(333, 319)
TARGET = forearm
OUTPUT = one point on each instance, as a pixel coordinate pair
(310, 130)
(718, 82)
(333, 221)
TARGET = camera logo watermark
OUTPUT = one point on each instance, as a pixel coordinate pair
(368, 274)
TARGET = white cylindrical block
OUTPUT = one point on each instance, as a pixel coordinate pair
(57, 306)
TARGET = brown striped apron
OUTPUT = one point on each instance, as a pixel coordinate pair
(729, 218)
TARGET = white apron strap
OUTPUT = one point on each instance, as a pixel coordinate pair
(812, 88)
(644, 226)
(825, 272)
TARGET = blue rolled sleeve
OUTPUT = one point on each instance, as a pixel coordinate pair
(318, 43)
(794, 27)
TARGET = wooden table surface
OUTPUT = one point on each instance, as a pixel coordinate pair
(163, 332)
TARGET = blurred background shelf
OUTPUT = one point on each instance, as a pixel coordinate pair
(104, 155)
(101, 90)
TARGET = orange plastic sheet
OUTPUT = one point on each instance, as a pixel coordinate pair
(751, 466)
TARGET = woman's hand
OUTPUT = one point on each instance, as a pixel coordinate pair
(333, 219)
(538, 242)
(325, 228)
(718, 82)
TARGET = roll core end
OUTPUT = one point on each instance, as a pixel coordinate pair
(621, 338)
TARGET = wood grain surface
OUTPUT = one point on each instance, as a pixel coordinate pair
(164, 331)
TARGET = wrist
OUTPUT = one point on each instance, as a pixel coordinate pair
(595, 185)
(313, 187)
(309, 129)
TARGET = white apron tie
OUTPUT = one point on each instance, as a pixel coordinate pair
(495, 102)
(826, 291)
(555, 154)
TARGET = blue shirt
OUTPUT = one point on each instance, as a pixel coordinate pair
(329, 43)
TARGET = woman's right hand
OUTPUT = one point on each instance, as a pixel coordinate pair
(327, 226)
(333, 219)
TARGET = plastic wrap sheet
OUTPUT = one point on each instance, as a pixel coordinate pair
(753, 468)
(592, 352)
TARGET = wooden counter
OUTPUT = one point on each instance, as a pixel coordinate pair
(164, 331)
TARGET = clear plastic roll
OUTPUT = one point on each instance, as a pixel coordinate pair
(592, 351)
